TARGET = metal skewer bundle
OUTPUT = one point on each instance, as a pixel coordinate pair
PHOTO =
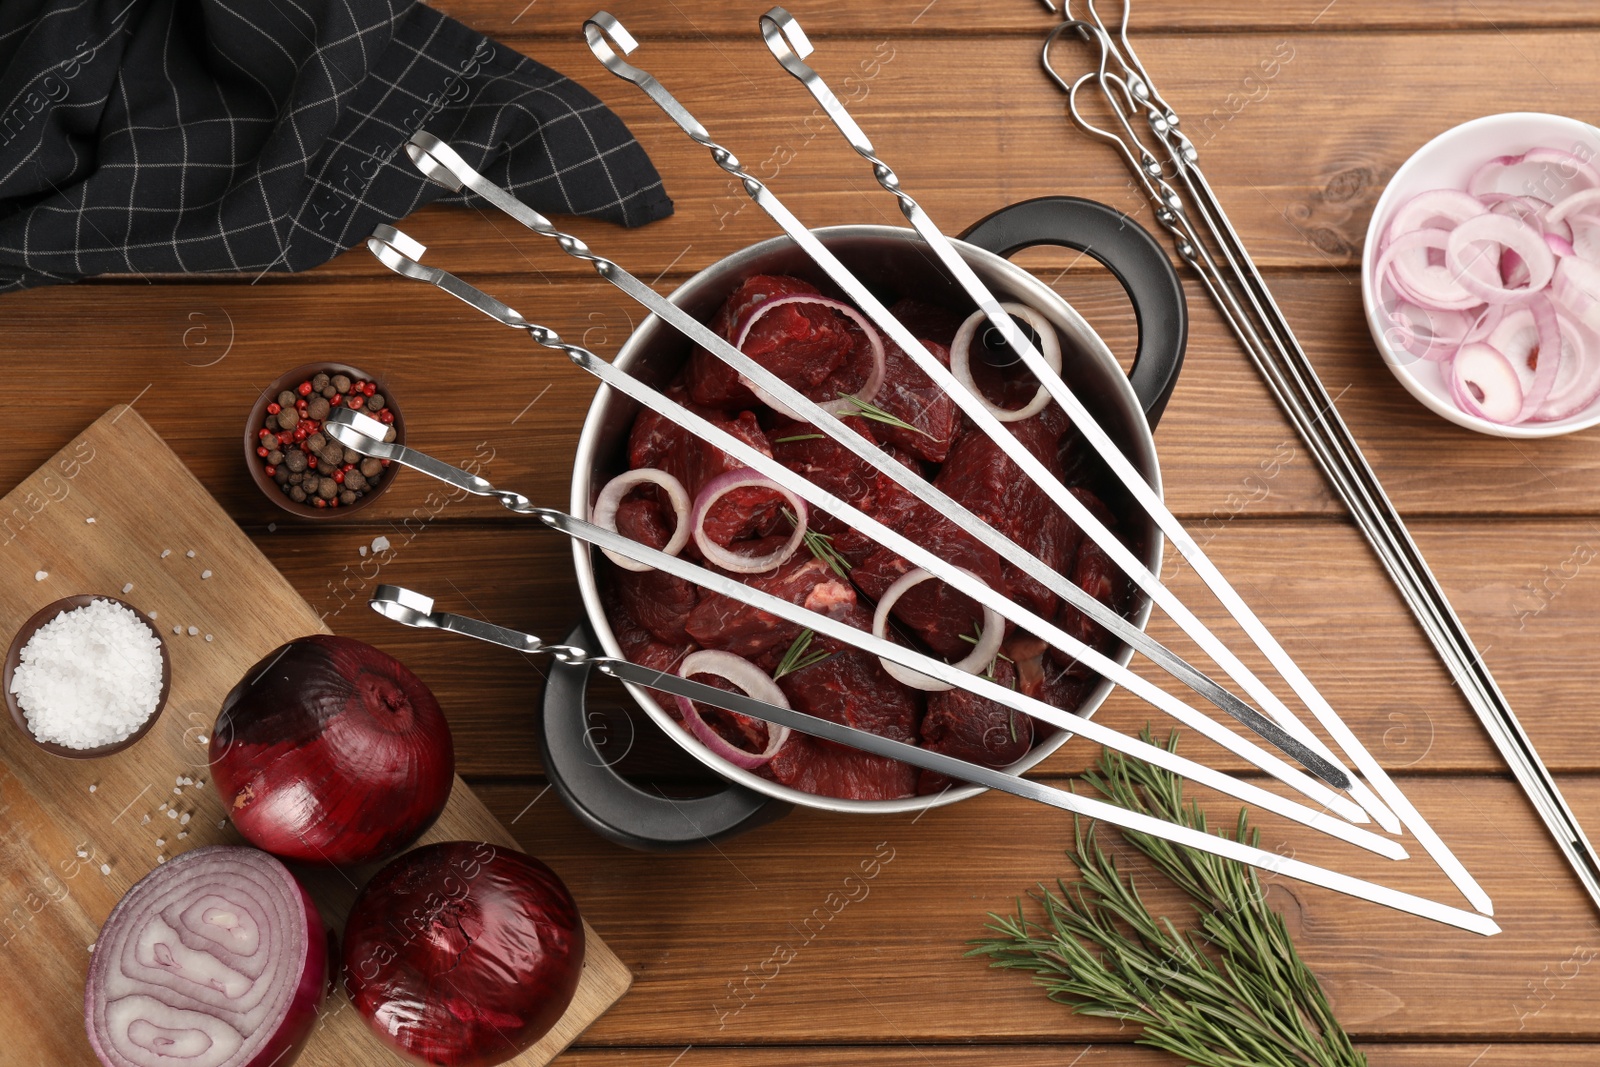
(1246, 303)
(1344, 798)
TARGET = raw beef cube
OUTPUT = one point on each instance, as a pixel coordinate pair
(657, 601)
(730, 625)
(910, 395)
(658, 442)
(830, 770)
(643, 647)
(976, 729)
(801, 343)
(932, 610)
(851, 687)
(929, 321)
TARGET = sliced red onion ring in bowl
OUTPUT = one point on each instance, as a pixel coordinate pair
(1484, 383)
(1433, 334)
(977, 661)
(725, 557)
(1586, 236)
(1546, 173)
(961, 359)
(1517, 338)
(752, 681)
(1462, 252)
(1575, 287)
(1576, 204)
(611, 497)
(1438, 209)
(1406, 265)
(838, 406)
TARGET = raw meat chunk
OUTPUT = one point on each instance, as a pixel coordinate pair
(658, 442)
(975, 729)
(801, 343)
(910, 395)
(851, 687)
(830, 770)
(730, 625)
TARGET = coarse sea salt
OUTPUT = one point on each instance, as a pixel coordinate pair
(89, 677)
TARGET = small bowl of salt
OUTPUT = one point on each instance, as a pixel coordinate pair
(87, 676)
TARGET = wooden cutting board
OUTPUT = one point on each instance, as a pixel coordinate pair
(75, 834)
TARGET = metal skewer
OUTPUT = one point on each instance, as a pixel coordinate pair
(360, 433)
(1295, 384)
(443, 165)
(346, 425)
(603, 31)
(414, 609)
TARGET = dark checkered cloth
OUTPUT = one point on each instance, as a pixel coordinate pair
(154, 136)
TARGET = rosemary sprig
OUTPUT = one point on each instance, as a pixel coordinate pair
(1231, 991)
(797, 658)
(798, 437)
(821, 546)
(877, 414)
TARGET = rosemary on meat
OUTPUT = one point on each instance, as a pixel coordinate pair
(798, 658)
(798, 437)
(1230, 990)
(821, 546)
(877, 414)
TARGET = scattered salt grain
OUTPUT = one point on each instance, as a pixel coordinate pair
(208, 637)
(177, 629)
(91, 946)
(83, 853)
(182, 834)
(152, 614)
(172, 813)
(221, 823)
(145, 820)
(90, 519)
(92, 788)
(165, 552)
(163, 806)
(40, 576)
(161, 859)
(272, 527)
(362, 551)
(178, 780)
(380, 544)
(193, 630)
(160, 841)
(190, 553)
(127, 588)
(105, 868)
(202, 739)
(205, 574)
(177, 791)
(185, 820)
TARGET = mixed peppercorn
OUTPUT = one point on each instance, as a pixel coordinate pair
(309, 466)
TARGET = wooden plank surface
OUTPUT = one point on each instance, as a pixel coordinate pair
(1299, 150)
(80, 832)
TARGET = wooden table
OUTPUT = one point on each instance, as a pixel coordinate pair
(958, 105)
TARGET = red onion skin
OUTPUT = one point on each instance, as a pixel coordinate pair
(295, 1030)
(463, 953)
(329, 752)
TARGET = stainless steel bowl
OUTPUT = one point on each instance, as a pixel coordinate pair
(895, 263)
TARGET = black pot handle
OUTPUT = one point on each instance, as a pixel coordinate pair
(614, 807)
(1137, 260)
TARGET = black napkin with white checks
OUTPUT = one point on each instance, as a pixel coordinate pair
(176, 136)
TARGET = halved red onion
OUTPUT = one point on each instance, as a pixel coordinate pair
(1483, 383)
(977, 661)
(214, 959)
(1463, 251)
(611, 497)
(753, 681)
(1546, 173)
(721, 555)
(837, 406)
(961, 359)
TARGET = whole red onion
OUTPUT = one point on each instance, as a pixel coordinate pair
(463, 954)
(331, 752)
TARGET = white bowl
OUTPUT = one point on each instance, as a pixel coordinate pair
(1446, 162)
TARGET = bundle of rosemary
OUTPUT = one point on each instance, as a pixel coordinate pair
(1228, 991)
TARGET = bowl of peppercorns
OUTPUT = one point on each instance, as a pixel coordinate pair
(298, 466)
